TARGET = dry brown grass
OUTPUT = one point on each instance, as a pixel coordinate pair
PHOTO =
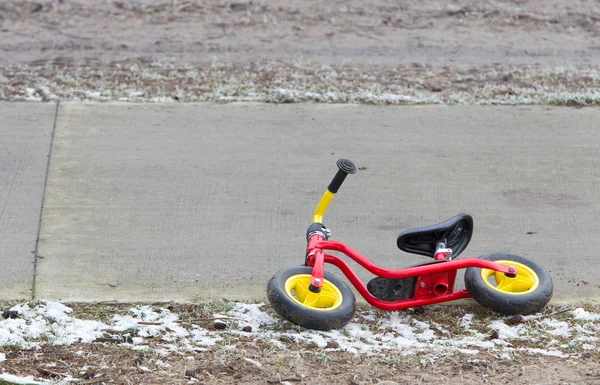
(292, 82)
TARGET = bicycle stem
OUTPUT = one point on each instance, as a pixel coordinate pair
(322, 207)
(345, 167)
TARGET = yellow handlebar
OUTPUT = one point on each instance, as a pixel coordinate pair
(322, 207)
(345, 167)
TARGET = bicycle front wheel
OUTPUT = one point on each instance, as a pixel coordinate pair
(291, 298)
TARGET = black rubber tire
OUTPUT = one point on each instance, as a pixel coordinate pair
(507, 303)
(303, 315)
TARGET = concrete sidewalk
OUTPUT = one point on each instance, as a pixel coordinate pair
(194, 201)
(25, 136)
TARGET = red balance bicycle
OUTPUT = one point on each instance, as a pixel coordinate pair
(310, 297)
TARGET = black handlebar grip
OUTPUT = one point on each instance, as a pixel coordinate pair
(345, 167)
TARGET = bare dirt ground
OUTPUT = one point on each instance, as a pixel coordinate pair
(467, 51)
(551, 348)
(463, 33)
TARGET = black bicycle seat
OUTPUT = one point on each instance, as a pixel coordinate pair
(455, 232)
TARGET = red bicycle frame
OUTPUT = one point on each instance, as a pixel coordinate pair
(435, 282)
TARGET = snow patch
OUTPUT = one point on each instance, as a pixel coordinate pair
(544, 352)
(253, 362)
(583, 315)
(29, 380)
(251, 315)
(31, 95)
(466, 320)
(506, 332)
(398, 333)
(47, 320)
(557, 328)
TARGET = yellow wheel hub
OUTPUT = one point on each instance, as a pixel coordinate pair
(330, 297)
(525, 282)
